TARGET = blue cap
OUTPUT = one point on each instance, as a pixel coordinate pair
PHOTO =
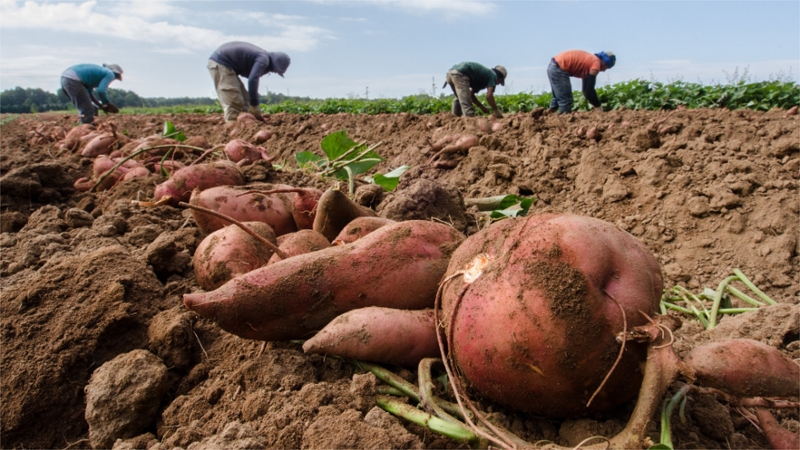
(608, 58)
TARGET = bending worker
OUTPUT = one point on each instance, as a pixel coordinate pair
(80, 80)
(578, 64)
(467, 79)
(235, 59)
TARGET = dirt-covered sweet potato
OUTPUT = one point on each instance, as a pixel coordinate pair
(245, 203)
(180, 185)
(299, 243)
(244, 153)
(745, 368)
(230, 252)
(386, 335)
(104, 144)
(398, 266)
(536, 327)
(335, 210)
(360, 227)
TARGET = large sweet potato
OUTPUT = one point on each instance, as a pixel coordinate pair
(230, 252)
(180, 185)
(536, 329)
(397, 266)
(244, 203)
(360, 227)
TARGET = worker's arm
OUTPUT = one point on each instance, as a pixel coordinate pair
(492, 103)
(589, 91)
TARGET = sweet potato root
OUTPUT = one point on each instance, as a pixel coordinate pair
(300, 242)
(230, 252)
(245, 203)
(745, 368)
(463, 143)
(360, 227)
(398, 266)
(385, 335)
(334, 211)
(180, 185)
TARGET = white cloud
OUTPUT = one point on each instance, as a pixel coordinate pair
(87, 18)
(451, 8)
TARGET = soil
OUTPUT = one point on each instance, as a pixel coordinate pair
(95, 280)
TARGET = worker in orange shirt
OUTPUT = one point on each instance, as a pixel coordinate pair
(578, 64)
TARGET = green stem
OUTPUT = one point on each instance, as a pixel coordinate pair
(712, 319)
(420, 417)
(753, 287)
(742, 296)
(669, 405)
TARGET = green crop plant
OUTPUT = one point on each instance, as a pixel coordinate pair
(345, 158)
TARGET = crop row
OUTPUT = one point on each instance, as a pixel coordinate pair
(636, 94)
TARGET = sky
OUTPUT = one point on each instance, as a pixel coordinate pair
(395, 48)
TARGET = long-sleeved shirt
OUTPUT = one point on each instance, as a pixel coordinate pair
(92, 77)
(480, 76)
(248, 61)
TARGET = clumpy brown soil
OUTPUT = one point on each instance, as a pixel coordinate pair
(89, 277)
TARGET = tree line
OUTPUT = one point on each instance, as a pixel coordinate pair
(33, 100)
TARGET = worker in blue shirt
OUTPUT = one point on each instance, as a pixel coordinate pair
(241, 59)
(79, 82)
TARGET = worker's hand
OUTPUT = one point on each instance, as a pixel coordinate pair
(497, 114)
(109, 108)
(256, 112)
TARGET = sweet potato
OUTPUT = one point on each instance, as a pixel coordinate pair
(397, 266)
(180, 185)
(230, 252)
(104, 144)
(334, 211)
(245, 204)
(536, 329)
(745, 368)
(779, 438)
(304, 204)
(245, 153)
(262, 136)
(300, 242)
(101, 165)
(360, 227)
(385, 335)
(463, 143)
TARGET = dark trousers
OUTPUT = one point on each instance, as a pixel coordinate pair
(77, 92)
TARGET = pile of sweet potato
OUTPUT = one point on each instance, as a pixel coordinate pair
(535, 313)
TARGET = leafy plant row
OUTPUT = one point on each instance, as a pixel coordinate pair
(636, 94)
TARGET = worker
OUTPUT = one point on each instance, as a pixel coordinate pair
(235, 59)
(467, 79)
(80, 80)
(578, 64)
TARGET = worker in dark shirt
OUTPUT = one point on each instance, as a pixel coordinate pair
(578, 64)
(467, 79)
(79, 83)
(241, 59)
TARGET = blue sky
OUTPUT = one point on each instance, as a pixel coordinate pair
(394, 48)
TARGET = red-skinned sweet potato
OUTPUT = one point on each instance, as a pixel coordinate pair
(180, 185)
(360, 227)
(398, 266)
(245, 203)
(300, 242)
(104, 144)
(745, 368)
(230, 252)
(244, 153)
(779, 438)
(536, 331)
(334, 211)
(385, 335)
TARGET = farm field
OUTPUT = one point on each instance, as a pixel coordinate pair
(89, 276)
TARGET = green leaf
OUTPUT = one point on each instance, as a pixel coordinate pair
(309, 160)
(390, 180)
(336, 144)
(171, 132)
(360, 166)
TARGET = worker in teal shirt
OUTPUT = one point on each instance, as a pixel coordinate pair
(79, 82)
(467, 79)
